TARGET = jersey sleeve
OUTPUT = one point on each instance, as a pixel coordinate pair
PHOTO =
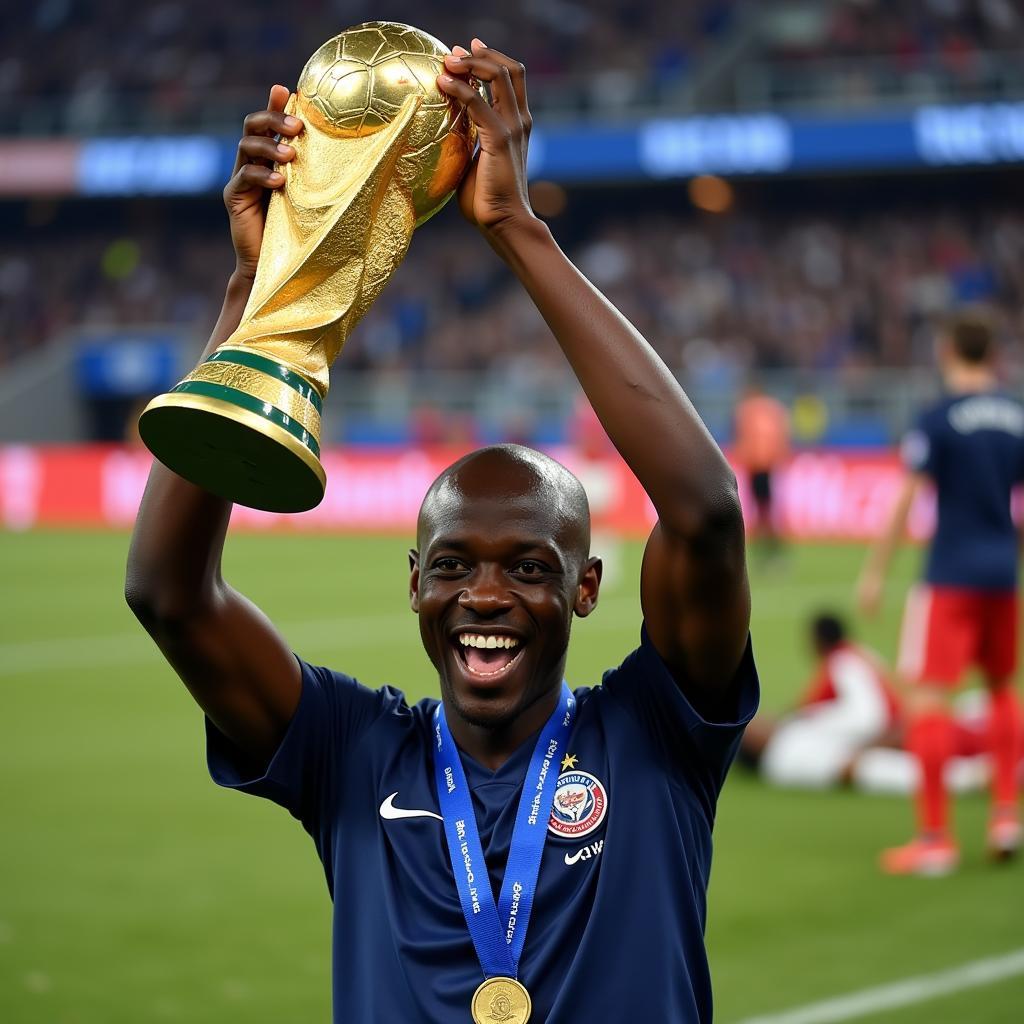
(333, 714)
(692, 746)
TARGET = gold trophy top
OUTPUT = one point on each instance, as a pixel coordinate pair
(383, 149)
(355, 86)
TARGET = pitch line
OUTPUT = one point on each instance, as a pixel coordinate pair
(917, 989)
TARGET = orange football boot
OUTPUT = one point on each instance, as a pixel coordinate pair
(928, 856)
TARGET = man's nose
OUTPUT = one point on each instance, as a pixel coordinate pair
(486, 592)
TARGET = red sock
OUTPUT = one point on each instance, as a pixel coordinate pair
(1005, 744)
(930, 739)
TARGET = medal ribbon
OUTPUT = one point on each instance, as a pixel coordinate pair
(498, 930)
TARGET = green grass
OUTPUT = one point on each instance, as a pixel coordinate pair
(133, 890)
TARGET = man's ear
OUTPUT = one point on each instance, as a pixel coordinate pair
(414, 580)
(587, 588)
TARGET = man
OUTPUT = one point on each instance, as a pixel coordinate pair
(847, 706)
(971, 447)
(761, 447)
(414, 810)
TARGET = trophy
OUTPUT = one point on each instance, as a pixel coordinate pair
(382, 151)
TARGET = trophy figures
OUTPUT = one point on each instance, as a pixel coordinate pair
(382, 151)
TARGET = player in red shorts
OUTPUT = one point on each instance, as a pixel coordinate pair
(970, 446)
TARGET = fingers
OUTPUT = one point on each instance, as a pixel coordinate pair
(516, 71)
(261, 149)
(257, 176)
(267, 124)
(278, 97)
(271, 122)
(497, 71)
(486, 118)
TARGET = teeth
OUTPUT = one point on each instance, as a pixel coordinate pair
(487, 642)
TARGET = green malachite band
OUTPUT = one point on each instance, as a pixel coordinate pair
(241, 399)
(273, 369)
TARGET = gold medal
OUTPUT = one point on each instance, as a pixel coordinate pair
(501, 1001)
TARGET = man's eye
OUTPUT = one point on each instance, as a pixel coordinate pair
(448, 564)
(529, 568)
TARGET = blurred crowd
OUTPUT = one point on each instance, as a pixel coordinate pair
(717, 295)
(856, 52)
(74, 63)
(114, 65)
(954, 30)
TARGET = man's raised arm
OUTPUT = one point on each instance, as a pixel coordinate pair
(226, 651)
(694, 588)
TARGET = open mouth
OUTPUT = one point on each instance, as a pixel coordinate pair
(488, 656)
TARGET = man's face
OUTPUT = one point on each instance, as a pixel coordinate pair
(495, 584)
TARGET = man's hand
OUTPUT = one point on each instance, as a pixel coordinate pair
(493, 194)
(246, 194)
(871, 584)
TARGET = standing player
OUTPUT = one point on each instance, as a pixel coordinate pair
(761, 447)
(565, 805)
(971, 447)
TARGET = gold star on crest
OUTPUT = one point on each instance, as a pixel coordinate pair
(569, 761)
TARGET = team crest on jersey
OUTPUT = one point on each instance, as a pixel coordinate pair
(579, 807)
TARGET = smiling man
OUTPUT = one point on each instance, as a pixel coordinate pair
(517, 850)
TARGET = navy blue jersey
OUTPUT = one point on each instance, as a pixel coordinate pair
(972, 446)
(617, 930)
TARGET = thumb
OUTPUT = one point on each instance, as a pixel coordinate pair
(279, 96)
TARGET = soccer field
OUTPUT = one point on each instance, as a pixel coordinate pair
(133, 890)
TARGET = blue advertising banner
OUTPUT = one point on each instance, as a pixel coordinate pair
(663, 148)
(127, 363)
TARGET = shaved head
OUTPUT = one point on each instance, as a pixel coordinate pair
(503, 552)
(514, 475)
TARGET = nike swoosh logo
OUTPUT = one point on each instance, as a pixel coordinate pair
(572, 858)
(390, 812)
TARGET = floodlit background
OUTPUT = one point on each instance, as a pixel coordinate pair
(795, 189)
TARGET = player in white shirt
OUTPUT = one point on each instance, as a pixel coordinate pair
(847, 706)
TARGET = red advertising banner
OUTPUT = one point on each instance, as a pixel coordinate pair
(824, 494)
(39, 167)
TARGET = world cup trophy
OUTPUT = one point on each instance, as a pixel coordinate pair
(382, 151)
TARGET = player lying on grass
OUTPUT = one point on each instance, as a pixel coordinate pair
(849, 727)
(970, 445)
(598, 805)
(847, 707)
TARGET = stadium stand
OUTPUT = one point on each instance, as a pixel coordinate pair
(863, 52)
(179, 63)
(845, 287)
(755, 289)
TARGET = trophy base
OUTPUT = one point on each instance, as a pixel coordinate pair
(233, 452)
